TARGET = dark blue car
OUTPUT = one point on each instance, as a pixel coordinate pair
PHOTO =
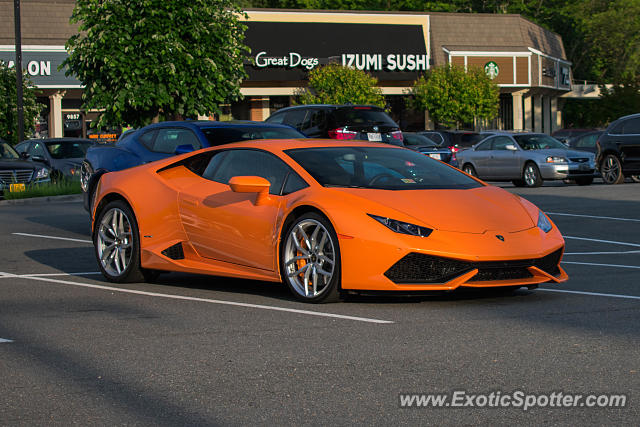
(162, 140)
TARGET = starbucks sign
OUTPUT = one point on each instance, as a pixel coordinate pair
(492, 70)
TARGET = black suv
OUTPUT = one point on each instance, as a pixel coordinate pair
(619, 150)
(362, 122)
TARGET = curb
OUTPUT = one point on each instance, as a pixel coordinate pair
(42, 200)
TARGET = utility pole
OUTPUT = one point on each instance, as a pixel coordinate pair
(18, 68)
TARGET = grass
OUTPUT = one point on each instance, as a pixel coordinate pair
(57, 188)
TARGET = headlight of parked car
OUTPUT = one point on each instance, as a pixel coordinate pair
(402, 227)
(543, 222)
(42, 173)
(556, 159)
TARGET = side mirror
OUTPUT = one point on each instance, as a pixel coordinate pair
(251, 184)
(24, 155)
(511, 147)
(184, 148)
(38, 159)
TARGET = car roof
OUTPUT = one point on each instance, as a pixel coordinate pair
(336, 106)
(275, 145)
(202, 124)
(63, 139)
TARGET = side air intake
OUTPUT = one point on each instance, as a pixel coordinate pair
(174, 252)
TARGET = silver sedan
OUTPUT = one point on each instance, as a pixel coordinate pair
(526, 159)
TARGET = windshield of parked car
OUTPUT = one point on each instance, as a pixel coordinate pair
(68, 149)
(538, 142)
(418, 140)
(378, 168)
(362, 116)
(225, 135)
(7, 152)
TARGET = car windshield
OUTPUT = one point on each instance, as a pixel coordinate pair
(415, 139)
(68, 149)
(225, 135)
(362, 116)
(538, 142)
(378, 168)
(7, 151)
(469, 139)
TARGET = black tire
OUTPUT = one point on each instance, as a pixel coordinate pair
(315, 262)
(125, 251)
(470, 170)
(611, 170)
(519, 182)
(584, 181)
(531, 175)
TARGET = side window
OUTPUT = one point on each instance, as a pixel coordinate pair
(250, 163)
(147, 139)
(296, 117)
(588, 141)
(37, 149)
(435, 137)
(294, 183)
(315, 118)
(485, 146)
(22, 148)
(501, 142)
(168, 140)
(632, 126)
(275, 118)
(617, 129)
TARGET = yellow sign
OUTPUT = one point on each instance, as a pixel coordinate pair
(15, 188)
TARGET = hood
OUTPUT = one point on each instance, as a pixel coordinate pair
(12, 164)
(465, 211)
(561, 152)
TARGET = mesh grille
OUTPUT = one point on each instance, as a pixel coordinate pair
(174, 252)
(16, 176)
(579, 159)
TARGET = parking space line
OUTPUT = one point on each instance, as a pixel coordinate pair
(602, 253)
(4, 340)
(596, 294)
(84, 273)
(637, 245)
(594, 217)
(601, 265)
(211, 301)
(53, 237)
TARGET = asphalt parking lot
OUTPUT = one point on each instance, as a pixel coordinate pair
(193, 350)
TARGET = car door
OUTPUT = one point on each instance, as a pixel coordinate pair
(504, 163)
(480, 158)
(228, 226)
(630, 144)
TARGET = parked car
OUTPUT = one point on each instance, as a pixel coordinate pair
(324, 217)
(456, 140)
(16, 174)
(63, 155)
(424, 145)
(161, 140)
(359, 122)
(619, 150)
(526, 159)
(564, 135)
(585, 142)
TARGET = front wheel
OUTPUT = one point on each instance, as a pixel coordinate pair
(470, 170)
(531, 175)
(611, 170)
(310, 259)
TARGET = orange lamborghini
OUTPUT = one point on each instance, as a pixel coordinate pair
(322, 216)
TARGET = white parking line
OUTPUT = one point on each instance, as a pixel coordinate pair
(4, 340)
(636, 245)
(52, 237)
(9, 275)
(211, 301)
(602, 253)
(601, 265)
(596, 294)
(594, 217)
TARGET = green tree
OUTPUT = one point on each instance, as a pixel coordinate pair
(177, 58)
(454, 96)
(9, 107)
(335, 84)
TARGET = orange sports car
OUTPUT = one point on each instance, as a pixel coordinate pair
(322, 216)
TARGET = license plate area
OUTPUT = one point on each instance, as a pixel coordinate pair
(376, 137)
(436, 156)
(16, 188)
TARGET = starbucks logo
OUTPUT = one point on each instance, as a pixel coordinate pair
(492, 70)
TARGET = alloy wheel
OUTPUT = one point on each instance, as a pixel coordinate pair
(611, 170)
(115, 242)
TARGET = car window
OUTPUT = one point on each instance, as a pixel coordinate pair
(296, 117)
(469, 139)
(485, 146)
(67, 149)
(631, 126)
(147, 139)
(37, 149)
(226, 135)
(500, 142)
(315, 118)
(416, 139)
(617, 129)
(275, 118)
(294, 183)
(249, 163)
(538, 142)
(588, 141)
(434, 136)
(7, 152)
(169, 139)
(22, 147)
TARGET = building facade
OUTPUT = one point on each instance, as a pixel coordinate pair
(526, 61)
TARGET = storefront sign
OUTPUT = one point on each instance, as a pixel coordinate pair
(42, 67)
(390, 62)
(492, 70)
(291, 60)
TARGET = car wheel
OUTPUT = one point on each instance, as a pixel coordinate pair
(310, 259)
(611, 170)
(531, 175)
(584, 181)
(117, 244)
(470, 170)
(519, 182)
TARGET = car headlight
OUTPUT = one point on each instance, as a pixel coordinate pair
(402, 227)
(556, 159)
(543, 222)
(42, 173)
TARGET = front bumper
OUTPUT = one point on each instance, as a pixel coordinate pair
(567, 170)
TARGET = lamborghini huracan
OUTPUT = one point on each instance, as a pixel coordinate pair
(323, 216)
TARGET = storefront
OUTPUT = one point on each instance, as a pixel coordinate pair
(525, 60)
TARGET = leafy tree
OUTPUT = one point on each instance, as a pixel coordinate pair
(9, 107)
(335, 84)
(453, 95)
(177, 58)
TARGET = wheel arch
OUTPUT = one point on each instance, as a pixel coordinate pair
(106, 199)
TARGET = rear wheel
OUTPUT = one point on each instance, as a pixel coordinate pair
(584, 181)
(611, 170)
(470, 170)
(531, 175)
(310, 259)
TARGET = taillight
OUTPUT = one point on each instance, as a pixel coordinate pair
(397, 135)
(454, 149)
(342, 133)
